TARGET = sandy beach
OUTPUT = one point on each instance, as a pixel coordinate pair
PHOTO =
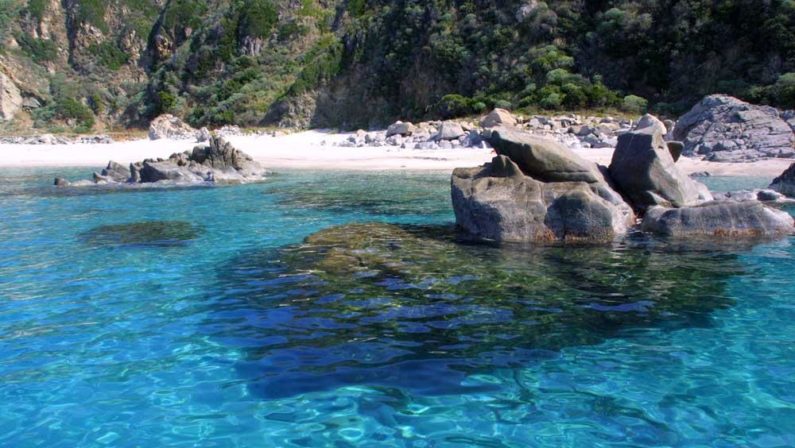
(316, 150)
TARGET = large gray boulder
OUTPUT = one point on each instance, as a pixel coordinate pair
(498, 117)
(450, 130)
(499, 202)
(644, 170)
(10, 98)
(170, 127)
(785, 184)
(543, 159)
(719, 219)
(403, 129)
(725, 129)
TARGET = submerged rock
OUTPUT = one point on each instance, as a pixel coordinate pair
(499, 202)
(644, 170)
(482, 306)
(725, 129)
(785, 184)
(147, 233)
(723, 219)
(170, 127)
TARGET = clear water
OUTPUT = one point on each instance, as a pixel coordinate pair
(228, 328)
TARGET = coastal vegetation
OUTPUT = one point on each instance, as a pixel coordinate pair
(257, 62)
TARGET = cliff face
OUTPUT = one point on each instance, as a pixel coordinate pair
(93, 64)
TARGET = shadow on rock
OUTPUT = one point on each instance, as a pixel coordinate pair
(142, 234)
(411, 307)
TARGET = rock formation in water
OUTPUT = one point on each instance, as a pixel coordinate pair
(216, 163)
(538, 191)
(785, 184)
(725, 129)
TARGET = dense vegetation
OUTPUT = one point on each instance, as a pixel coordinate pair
(365, 62)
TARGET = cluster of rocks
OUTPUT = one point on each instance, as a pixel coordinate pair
(427, 135)
(49, 139)
(537, 190)
(721, 128)
(571, 130)
(168, 126)
(216, 163)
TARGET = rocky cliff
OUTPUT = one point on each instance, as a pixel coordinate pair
(91, 64)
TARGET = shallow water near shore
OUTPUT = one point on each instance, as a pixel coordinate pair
(341, 309)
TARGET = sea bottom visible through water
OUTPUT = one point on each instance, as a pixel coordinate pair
(342, 309)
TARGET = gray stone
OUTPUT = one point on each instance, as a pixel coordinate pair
(785, 184)
(116, 172)
(723, 219)
(61, 182)
(769, 196)
(645, 172)
(203, 135)
(400, 128)
(449, 130)
(725, 129)
(498, 117)
(650, 120)
(542, 159)
(499, 202)
(10, 98)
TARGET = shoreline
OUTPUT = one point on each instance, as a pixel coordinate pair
(315, 150)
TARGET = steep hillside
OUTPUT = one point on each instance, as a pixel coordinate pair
(92, 64)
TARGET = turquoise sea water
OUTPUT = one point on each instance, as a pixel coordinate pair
(219, 325)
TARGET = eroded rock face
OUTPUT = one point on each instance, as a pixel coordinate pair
(722, 219)
(785, 184)
(644, 170)
(10, 98)
(499, 202)
(170, 127)
(725, 129)
(542, 159)
(217, 163)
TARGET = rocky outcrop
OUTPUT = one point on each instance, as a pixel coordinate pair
(725, 129)
(722, 219)
(498, 117)
(216, 163)
(499, 202)
(785, 184)
(170, 127)
(643, 168)
(10, 98)
(542, 159)
(537, 191)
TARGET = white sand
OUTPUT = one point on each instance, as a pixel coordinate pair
(305, 150)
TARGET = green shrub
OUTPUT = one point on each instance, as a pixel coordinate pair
(454, 105)
(93, 13)
(552, 100)
(634, 104)
(67, 108)
(257, 18)
(357, 8)
(109, 55)
(40, 50)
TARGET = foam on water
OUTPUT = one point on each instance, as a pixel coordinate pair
(242, 335)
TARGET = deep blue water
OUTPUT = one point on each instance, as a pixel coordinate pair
(221, 326)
